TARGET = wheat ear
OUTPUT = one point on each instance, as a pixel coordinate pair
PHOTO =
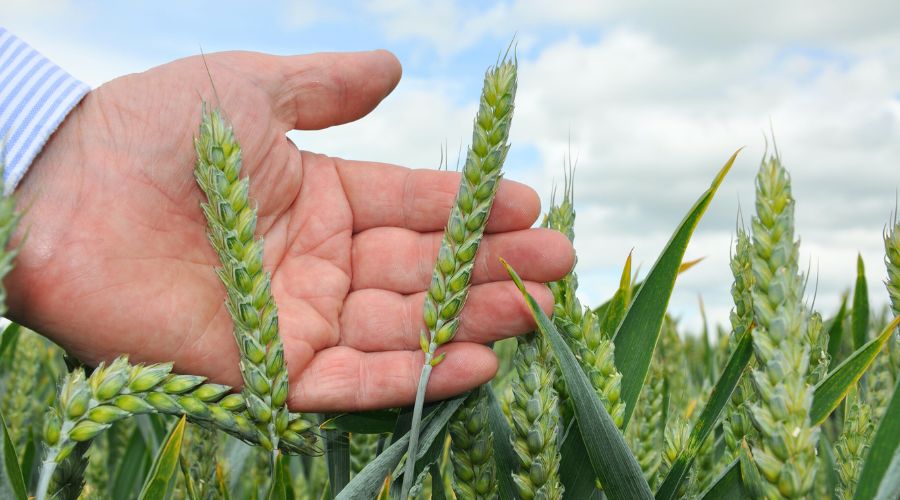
(534, 412)
(449, 287)
(850, 449)
(786, 451)
(472, 449)
(737, 423)
(87, 406)
(232, 226)
(583, 329)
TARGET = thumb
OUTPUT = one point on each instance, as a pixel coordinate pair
(317, 91)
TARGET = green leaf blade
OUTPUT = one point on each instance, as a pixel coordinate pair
(12, 484)
(612, 460)
(504, 455)
(831, 391)
(635, 340)
(337, 456)
(369, 481)
(728, 486)
(860, 315)
(836, 331)
(707, 420)
(366, 422)
(165, 465)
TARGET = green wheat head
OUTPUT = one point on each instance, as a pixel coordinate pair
(472, 449)
(232, 227)
(786, 451)
(737, 423)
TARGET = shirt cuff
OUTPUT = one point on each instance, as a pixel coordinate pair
(35, 97)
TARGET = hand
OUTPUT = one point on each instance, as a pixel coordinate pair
(116, 258)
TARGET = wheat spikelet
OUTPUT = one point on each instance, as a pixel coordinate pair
(199, 456)
(362, 450)
(892, 263)
(817, 339)
(20, 404)
(481, 175)
(676, 438)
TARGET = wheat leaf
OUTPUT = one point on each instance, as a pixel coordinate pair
(612, 460)
(164, 466)
(636, 336)
(831, 391)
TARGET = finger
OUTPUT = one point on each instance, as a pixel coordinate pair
(400, 260)
(344, 379)
(321, 90)
(387, 195)
(375, 320)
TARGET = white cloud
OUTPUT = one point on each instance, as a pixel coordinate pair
(653, 98)
(304, 13)
(34, 9)
(652, 123)
(36, 23)
(409, 128)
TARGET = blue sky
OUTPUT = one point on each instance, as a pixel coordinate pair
(651, 98)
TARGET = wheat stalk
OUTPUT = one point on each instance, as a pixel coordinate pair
(786, 451)
(446, 295)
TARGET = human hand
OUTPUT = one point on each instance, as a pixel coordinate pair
(116, 258)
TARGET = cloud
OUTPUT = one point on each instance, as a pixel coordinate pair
(652, 123)
(305, 13)
(651, 97)
(409, 128)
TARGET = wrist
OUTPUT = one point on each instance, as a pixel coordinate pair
(47, 198)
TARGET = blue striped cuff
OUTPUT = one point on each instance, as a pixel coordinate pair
(35, 97)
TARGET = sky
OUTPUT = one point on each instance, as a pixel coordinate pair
(651, 98)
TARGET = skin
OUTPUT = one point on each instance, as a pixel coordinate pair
(116, 258)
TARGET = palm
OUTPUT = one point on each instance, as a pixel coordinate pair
(349, 244)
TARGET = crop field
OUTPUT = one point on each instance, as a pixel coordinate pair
(607, 400)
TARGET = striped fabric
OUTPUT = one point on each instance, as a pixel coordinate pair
(35, 97)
